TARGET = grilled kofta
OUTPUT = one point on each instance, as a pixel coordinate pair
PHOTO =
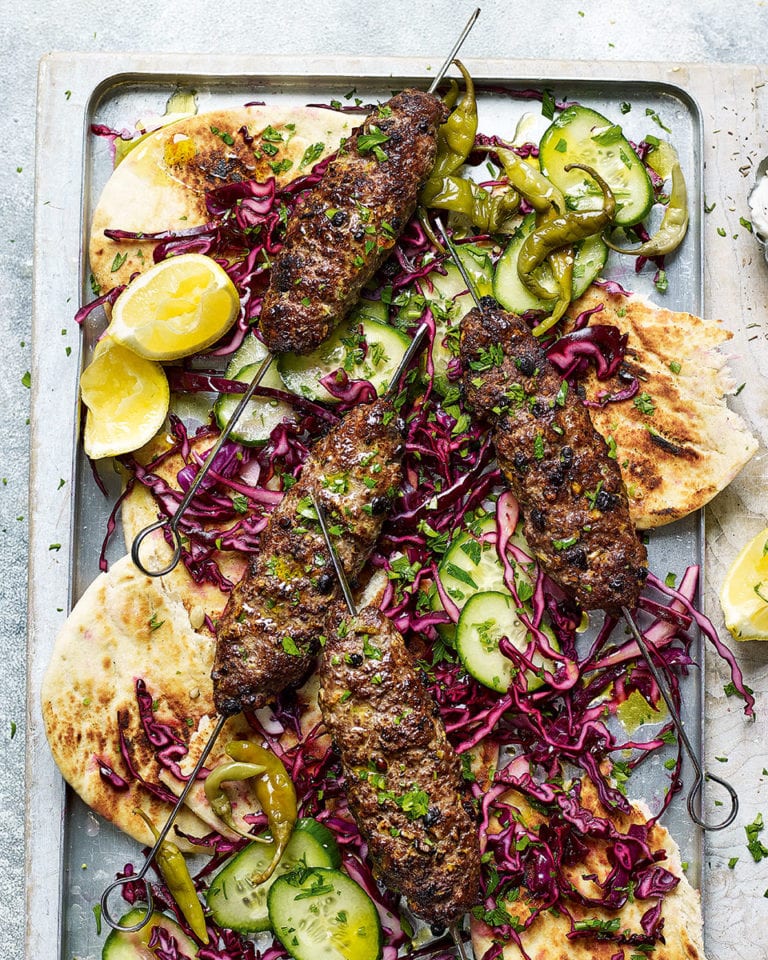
(403, 777)
(347, 225)
(268, 633)
(576, 510)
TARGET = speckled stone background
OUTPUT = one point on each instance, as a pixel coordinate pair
(734, 31)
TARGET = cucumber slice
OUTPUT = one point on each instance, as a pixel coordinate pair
(589, 259)
(485, 619)
(250, 351)
(262, 414)
(346, 349)
(581, 135)
(238, 904)
(472, 566)
(321, 914)
(372, 309)
(451, 301)
(121, 945)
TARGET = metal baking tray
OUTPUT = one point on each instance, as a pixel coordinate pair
(71, 853)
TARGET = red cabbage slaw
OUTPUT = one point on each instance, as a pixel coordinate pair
(450, 479)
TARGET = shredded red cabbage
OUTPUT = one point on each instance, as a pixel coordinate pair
(556, 737)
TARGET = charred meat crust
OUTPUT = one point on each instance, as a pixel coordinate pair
(268, 633)
(348, 224)
(557, 465)
(403, 777)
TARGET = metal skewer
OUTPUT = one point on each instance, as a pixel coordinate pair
(122, 881)
(349, 599)
(172, 523)
(701, 775)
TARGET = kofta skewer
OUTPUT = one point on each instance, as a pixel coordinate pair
(560, 469)
(336, 240)
(404, 784)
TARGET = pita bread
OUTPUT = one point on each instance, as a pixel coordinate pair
(161, 184)
(677, 457)
(126, 626)
(547, 939)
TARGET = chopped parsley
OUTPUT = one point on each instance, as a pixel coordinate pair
(644, 403)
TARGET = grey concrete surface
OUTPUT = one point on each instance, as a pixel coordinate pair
(733, 31)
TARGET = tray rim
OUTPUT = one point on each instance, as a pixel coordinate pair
(45, 788)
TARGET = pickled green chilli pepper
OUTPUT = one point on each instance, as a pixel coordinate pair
(173, 869)
(276, 795)
(563, 231)
(219, 801)
(674, 223)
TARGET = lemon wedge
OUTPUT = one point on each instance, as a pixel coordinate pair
(178, 307)
(127, 399)
(744, 594)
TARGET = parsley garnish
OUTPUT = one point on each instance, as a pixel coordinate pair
(119, 260)
(226, 137)
(644, 404)
(371, 143)
(311, 154)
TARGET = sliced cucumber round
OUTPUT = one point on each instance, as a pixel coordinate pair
(589, 259)
(250, 351)
(364, 348)
(121, 945)
(485, 619)
(451, 301)
(581, 135)
(262, 414)
(471, 565)
(322, 914)
(238, 904)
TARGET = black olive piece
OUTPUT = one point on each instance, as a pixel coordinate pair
(381, 764)
(538, 519)
(577, 557)
(436, 711)
(526, 364)
(566, 456)
(617, 584)
(625, 376)
(423, 126)
(539, 409)
(605, 501)
(285, 522)
(556, 477)
(379, 505)
(436, 929)
(356, 659)
(339, 218)
(358, 233)
(520, 461)
(325, 583)
(432, 816)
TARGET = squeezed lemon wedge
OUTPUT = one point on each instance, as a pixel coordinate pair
(178, 307)
(744, 594)
(127, 399)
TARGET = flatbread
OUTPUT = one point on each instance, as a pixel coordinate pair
(161, 184)
(677, 458)
(547, 938)
(126, 626)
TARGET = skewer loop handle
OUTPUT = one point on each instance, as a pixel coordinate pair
(694, 800)
(139, 539)
(121, 882)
